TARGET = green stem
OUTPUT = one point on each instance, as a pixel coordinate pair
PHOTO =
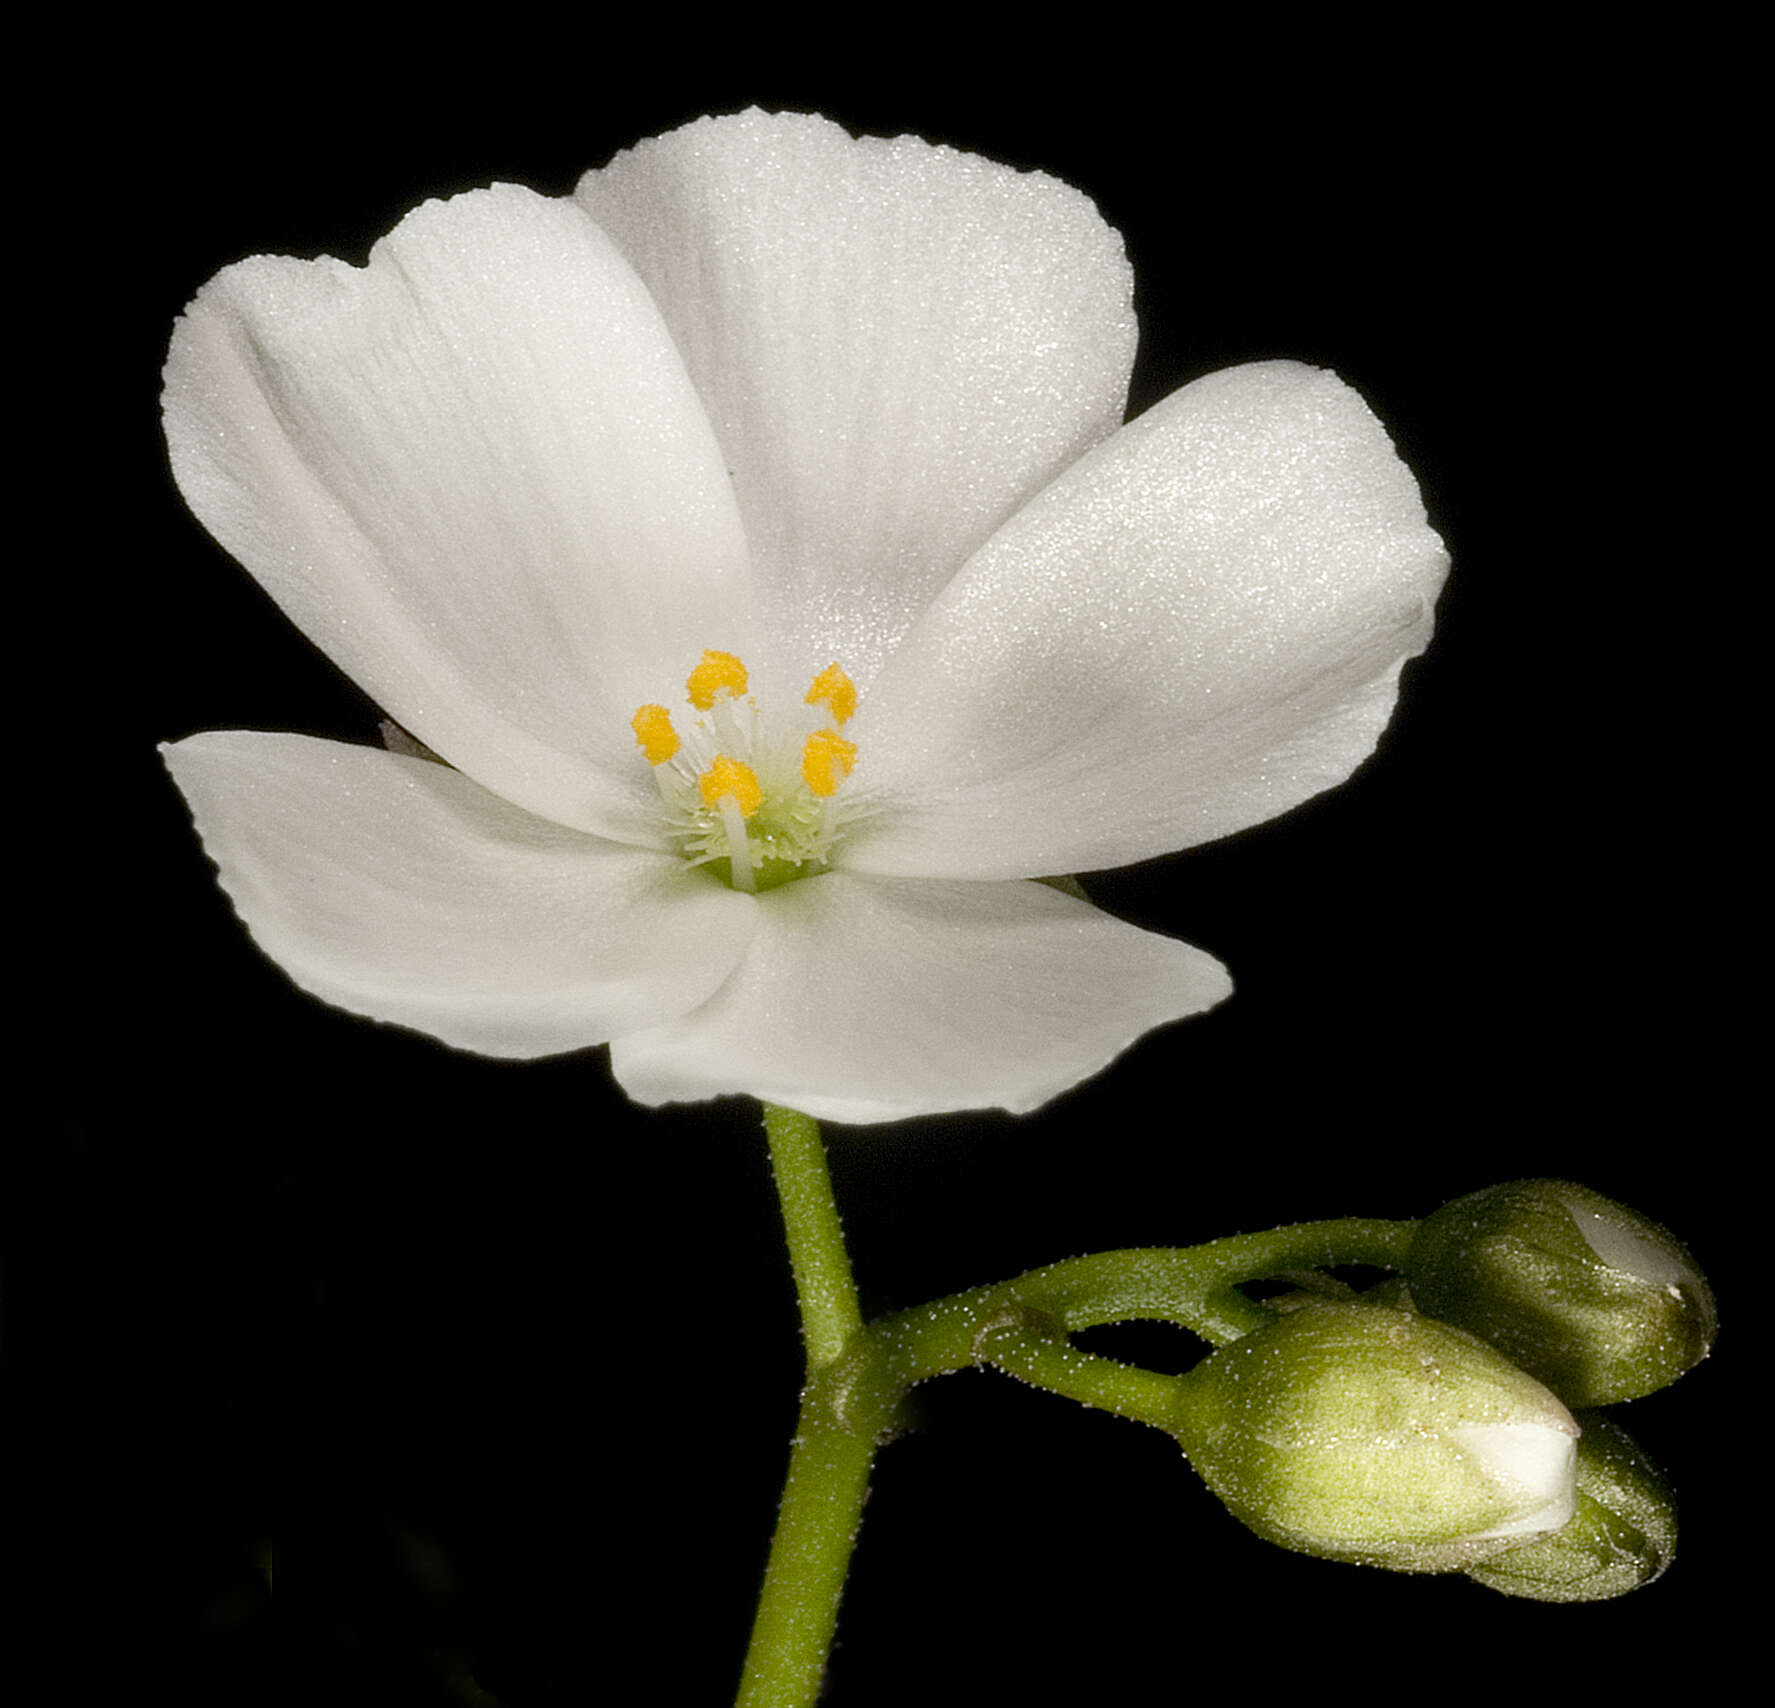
(1195, 1287)
(809, 1556)
(1037, 1352)
(831, 1457)
(829, 1311)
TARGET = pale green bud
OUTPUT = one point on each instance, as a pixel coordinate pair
(1599, 1302)
(1622, 1535)
(1361, 1433)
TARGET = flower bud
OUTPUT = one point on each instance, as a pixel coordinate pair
(1361, 1433)
(1623, 1533)
(1598, 1302)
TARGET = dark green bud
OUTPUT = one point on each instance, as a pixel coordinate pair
(1622, 1535)
(1597, 1301)
(1360, 1433)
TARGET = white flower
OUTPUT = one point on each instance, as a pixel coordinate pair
(792, 426)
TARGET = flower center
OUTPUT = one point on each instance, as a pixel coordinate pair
(753, 797)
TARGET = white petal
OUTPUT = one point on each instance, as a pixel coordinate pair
(475, 473)
(873, 1000)
(400, 889)
(1535, 1463)
(1197, 627)
(898, 344)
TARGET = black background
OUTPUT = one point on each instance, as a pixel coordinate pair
(497, 1370)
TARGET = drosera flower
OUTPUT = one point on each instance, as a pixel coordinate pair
(755, 537)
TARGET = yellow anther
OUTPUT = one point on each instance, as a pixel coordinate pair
(731, 777)
(715, 674)
(654, 734)
(836, 692)
(826, 760)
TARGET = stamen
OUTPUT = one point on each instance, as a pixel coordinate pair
(826, 760)
(836, 692)
(716, 674)
(731, 780)
(761, 801)
(654, 734)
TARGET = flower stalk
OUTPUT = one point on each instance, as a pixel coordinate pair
(829, 1461)
(810, 1554)
(830, 1314)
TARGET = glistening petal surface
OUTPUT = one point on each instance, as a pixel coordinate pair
(874, 1000)
(400, 889)
(897, 345)
(475, 473)
(1197, 627)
